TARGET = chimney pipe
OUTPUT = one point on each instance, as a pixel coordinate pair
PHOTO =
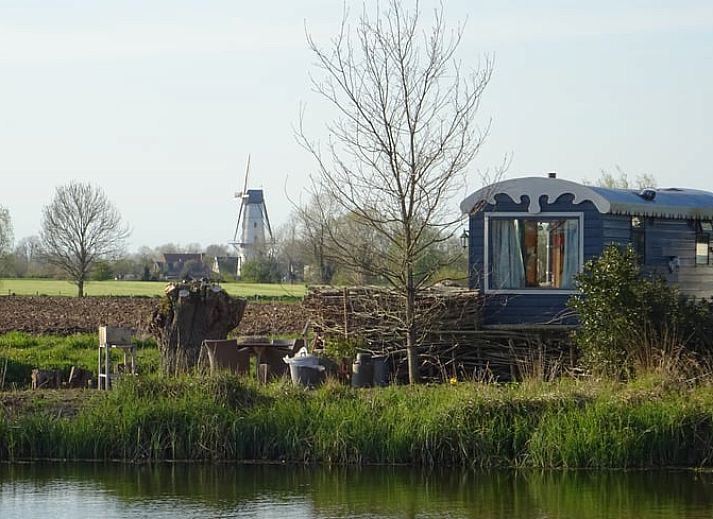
(552, 174)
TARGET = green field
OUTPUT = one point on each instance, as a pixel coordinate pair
(55, 287)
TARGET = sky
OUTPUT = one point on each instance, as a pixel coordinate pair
(160, 102)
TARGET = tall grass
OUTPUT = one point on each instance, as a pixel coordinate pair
(553, 424)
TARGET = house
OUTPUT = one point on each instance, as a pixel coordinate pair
(177, 265)
(529, 236)
(225, 266)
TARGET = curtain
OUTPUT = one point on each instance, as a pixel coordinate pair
(508, 266)
(571, 252)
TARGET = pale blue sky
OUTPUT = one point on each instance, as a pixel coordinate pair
(160, 101)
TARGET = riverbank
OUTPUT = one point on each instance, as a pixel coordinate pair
(647, 423)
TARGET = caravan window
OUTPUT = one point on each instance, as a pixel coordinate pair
(534, 253)
(638, 237)
(703, 241)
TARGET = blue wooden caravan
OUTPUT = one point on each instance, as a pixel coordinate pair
(529, 236)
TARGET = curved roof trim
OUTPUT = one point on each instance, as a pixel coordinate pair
(667, 203)
(534, 188)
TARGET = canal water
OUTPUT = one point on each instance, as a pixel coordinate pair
(265, 491)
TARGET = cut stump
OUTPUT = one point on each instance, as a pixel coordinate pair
(188, 314)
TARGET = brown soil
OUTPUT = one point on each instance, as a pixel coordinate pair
(68, 315)
(52, 402)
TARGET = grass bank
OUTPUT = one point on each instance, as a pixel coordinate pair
(649, 423)
(57, 287)
(21, 352)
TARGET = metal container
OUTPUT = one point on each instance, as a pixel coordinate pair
(381, 370)
(306, 371)
(363, 371)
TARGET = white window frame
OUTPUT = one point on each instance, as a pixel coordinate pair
(530, 216)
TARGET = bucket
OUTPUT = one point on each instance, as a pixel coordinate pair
(306, 376)
(305, 370)
(362, 371)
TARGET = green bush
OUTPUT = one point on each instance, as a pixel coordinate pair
(102, 271)
(626, 318)
(260, 270)
(338, 348)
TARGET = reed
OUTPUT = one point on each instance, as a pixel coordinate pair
(546, 424)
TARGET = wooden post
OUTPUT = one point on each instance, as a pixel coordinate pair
(346, 313)
(4, 373)
(263, 370)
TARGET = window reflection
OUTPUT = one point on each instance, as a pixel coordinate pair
(534, 252)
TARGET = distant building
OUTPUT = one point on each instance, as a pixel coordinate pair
(225, 266)
(174, 265)
(253, 235)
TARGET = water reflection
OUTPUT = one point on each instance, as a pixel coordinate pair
(185, 490)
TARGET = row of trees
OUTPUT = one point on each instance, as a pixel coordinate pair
(308, 249)
(324, 245)
(29, 259)
(305, 251)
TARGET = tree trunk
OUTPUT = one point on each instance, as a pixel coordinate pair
(188, 314)
(411, 346)
(80, 288)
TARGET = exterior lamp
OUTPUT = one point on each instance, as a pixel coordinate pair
(464, 239)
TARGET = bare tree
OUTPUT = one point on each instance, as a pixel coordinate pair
(289, 251)
(621, 179)
(27, 256)
(398, 149)
(216, 249)
(313, 221)
(80, 226)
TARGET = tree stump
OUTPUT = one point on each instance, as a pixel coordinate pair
(188, 314)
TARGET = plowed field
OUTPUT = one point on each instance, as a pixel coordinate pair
(67, 315)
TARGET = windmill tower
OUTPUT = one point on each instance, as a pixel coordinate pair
(250, 231)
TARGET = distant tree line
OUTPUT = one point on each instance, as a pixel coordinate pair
(310, 248)
(305, 251)
(28, 260)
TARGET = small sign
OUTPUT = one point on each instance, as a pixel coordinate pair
(183, 293)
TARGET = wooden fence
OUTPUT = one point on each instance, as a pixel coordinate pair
(451, 343)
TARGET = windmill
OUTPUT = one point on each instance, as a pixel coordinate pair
(249, 239)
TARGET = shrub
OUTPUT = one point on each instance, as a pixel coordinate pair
(260, 270)
(102, 271)
(626, 318)
(338, 348)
